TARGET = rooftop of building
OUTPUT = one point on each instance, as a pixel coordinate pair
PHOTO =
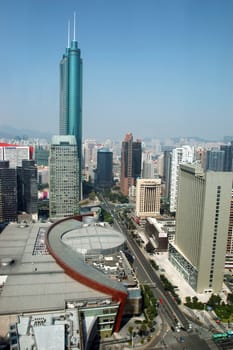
(95, 238)
(163, 227)
(51, 330)
(36, 282)
(46, 331)
(74, 260)
(158, 226)
(63, 140)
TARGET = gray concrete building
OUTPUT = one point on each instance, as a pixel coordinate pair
(203, 209)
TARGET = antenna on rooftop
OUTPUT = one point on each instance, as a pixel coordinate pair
(74, 25)
(68, 44)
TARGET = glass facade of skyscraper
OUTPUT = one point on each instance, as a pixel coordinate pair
(104, 174)
(71, 97)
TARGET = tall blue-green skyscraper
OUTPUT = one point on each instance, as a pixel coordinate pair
(71, 95)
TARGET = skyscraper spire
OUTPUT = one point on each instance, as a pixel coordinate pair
(71, 94)
(74, 25)
(68, 43)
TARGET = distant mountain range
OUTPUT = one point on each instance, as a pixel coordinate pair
(9, 132)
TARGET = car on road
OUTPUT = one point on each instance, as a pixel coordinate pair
(217, 320)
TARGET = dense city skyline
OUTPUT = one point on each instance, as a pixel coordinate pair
(156, 69)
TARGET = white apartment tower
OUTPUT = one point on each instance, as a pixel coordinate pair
(202, 219)
(15, 154)
(90, 153)
(148, 167)
(64, 188)
(180, 155)
(148, 198)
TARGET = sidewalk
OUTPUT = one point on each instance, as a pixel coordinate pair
(166, 268)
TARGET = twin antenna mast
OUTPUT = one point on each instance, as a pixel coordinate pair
(74, 33)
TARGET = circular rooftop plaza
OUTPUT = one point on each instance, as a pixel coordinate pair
(94, 239)
(69, 239)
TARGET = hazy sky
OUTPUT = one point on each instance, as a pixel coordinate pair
(157, 68)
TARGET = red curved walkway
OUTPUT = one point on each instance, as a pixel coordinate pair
(74, 265)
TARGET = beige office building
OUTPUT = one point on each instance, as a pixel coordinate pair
(148, 198)
(202, 227)
(229, 251)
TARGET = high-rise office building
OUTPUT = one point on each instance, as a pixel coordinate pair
(200, 156)
(64, 186)
(27, 188)
(90, 153)
(148, 193)
(220, 159)
(131, 154)
(159, 165)
(202, 219)
(167, 160)
(41, 155)
(215, 160)
(228, 156)
(71, 97)
(148, 168)
(104, 171)
(8, 192)
(43, 175)
(180, 155)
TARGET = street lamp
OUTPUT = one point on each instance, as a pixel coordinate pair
(132, 340)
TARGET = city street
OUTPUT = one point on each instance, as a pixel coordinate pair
(169, 311)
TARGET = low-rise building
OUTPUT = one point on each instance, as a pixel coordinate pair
(71, 264)
(157, 234)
